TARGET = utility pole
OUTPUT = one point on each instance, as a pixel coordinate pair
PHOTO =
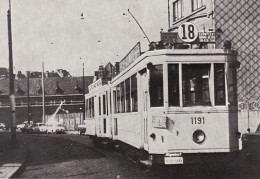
(43, 95)
(84, 108)
(28, 96)
(14, 141)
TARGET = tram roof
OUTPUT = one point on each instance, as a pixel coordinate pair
(176, 52)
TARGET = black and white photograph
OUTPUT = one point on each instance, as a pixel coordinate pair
(129, 89)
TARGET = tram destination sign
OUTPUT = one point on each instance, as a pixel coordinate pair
(170, 37)
(94, 85)
(134, 53)
(207, 37)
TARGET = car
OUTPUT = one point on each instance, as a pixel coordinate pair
(55, 128)
(82, 129)
(19, 126)
(40, 127)
(251, 145)
(3, 126)
(27, 129)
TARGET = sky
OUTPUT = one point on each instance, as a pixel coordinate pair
(52, 31)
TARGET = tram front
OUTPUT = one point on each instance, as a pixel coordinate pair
(193, 105)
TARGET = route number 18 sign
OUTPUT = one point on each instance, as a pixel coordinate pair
(188, 32)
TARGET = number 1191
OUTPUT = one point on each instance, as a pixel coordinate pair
(197, 120)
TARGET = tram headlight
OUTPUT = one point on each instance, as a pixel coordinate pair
(199, 136)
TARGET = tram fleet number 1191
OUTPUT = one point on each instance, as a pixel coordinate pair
(197, 120)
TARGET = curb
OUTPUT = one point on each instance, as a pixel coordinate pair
(12, 168)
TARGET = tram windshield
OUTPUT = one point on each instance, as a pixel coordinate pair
(201, 85)
(195, 84)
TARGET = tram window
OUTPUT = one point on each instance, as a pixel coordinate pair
(105, 125)
(114, 102)
(195, 79)
(122, 89)
(127, 96)
(104, 104)
(87, 110)
(232, 93)
(90, 107)
(156, 85)
(107, 103)
(134, 93)
(93, 110)
(219, 81)
(173, 82)
(115, 126)
(118, 98)
(110, 102)
(99, 105)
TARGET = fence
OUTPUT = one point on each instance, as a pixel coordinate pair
(238, 21)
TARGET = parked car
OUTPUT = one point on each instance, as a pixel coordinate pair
(27, 129)
(82, 129)
(251, 145)
(19, 126)
(3, 126)
(40, 127)
(57, 129)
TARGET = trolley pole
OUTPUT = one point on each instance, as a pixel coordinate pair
(14, 142)
(84, 110)
(139, 26)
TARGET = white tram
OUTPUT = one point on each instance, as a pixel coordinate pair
(175, 105)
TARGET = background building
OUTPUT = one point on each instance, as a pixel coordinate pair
(57, 89)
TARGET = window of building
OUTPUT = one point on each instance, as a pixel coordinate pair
(134, 93)
(195, 79)
(177, 9)
(127, 93)
(173, 85)
(219, 81)
(122, 89)
(156, 85)
(196, 4)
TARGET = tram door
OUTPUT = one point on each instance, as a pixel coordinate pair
(143, 107)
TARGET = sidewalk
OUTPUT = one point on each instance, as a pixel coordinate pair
(11, 159)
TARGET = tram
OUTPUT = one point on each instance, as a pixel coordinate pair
(176, 106)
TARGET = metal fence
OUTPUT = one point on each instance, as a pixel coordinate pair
(238, 21)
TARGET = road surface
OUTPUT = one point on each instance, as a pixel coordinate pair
(74, 156)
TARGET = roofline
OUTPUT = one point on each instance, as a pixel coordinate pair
(173, 52)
